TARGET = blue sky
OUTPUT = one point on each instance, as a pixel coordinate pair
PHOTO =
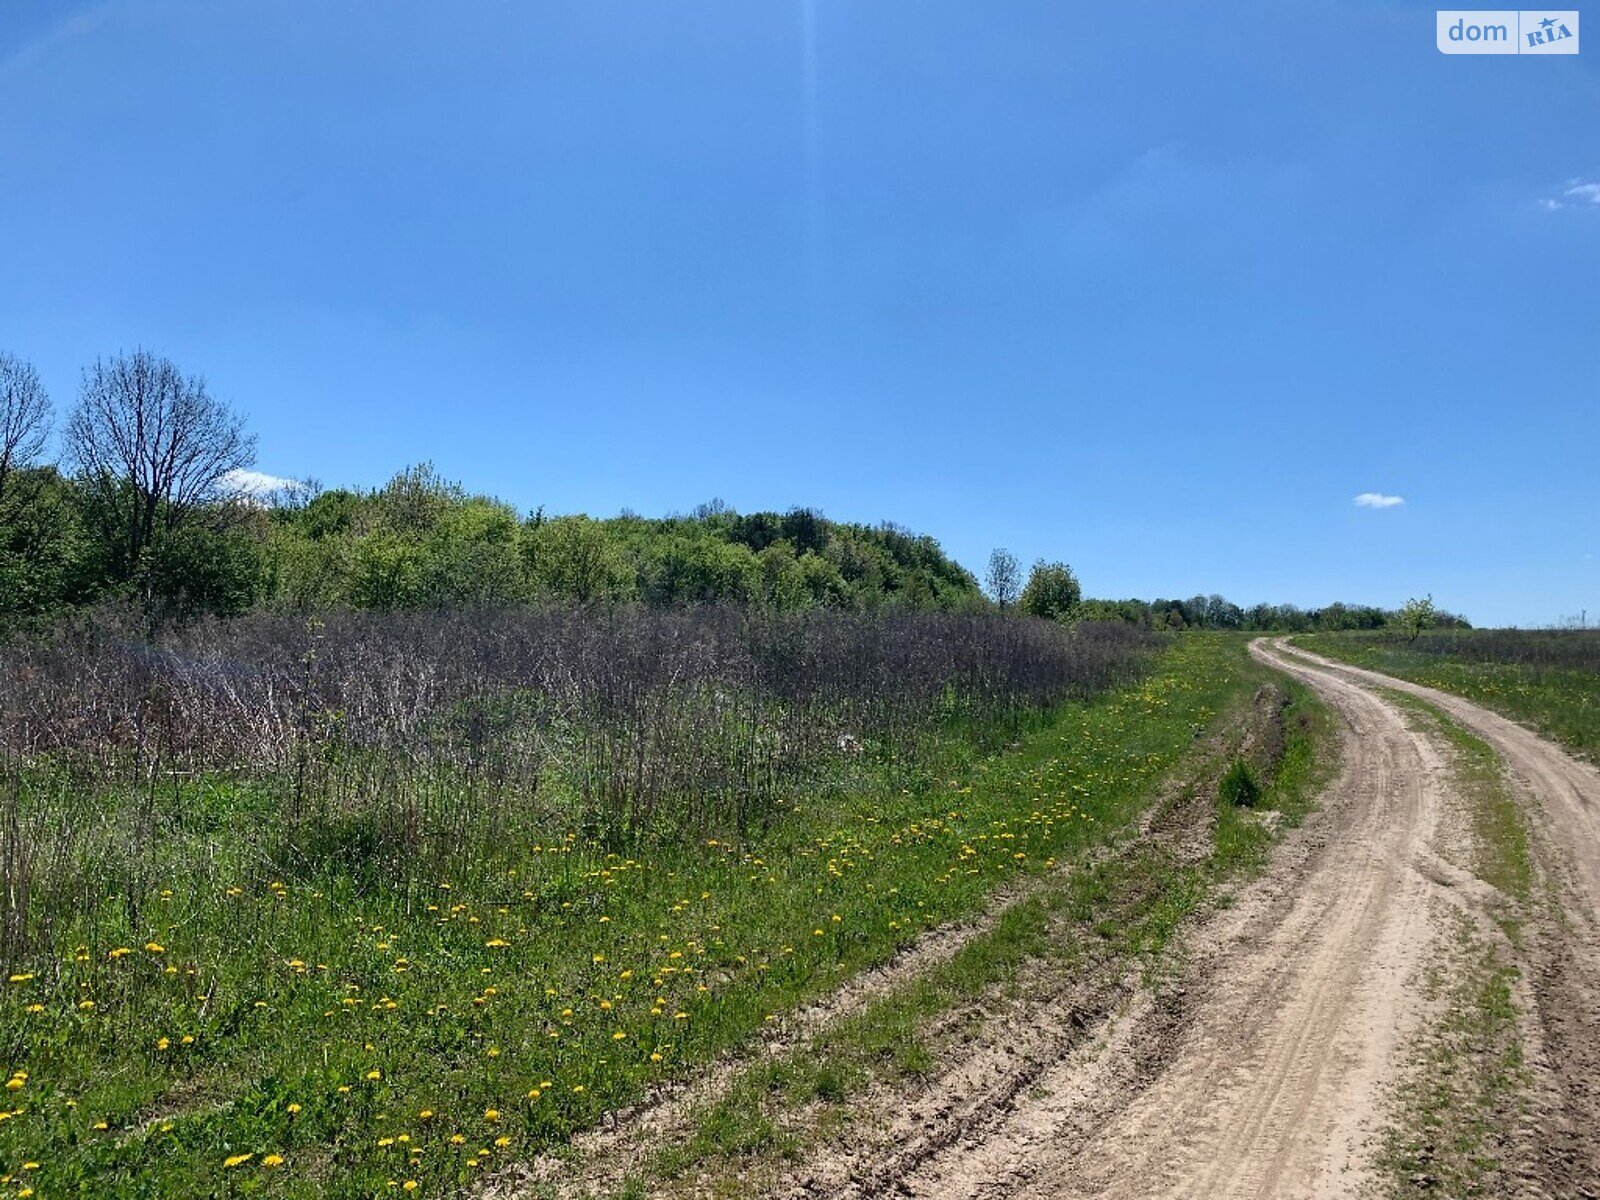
(1157, 292)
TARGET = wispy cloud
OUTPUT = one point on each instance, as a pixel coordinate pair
(72, 28)
(1378, 500)
(1576, 194)
(258, 485)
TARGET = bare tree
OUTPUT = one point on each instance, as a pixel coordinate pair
(1004, 577)
(24, 416)
(155, 445)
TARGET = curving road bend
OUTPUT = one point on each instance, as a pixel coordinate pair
(1301, 996)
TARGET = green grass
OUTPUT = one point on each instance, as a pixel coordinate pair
(1562, 702)
(1105, 915)
(225, 1007)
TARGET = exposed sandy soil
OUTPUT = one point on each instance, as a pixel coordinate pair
(1562, 956)
(1264, 1068)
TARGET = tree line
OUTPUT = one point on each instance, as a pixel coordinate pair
(1215, 612)
(152, 502)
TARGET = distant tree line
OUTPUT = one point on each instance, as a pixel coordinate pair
(420, 541)
(152, 502)
(1214, 612)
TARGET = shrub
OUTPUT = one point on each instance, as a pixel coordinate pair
(1239, 786)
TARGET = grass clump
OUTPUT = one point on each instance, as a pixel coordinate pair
(1238, 785)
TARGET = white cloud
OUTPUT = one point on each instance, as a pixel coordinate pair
(1378, 500)
(1575, 193)
(258, 485)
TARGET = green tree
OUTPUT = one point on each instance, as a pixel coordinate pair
(416, 500)
(783, 581)
(472, 555)
(696, 570)
(575, 559)
(387, 571)
(212, 566)
(46, 555)
(823, 581)
(1417, 615)
(1052, 591)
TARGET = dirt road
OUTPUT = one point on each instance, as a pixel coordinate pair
(1265, 1072)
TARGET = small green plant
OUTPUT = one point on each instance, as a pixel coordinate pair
(829, 1085)
(1239, 786)
(1417, 616)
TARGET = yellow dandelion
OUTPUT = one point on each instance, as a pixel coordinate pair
(236, 1160)
(272, 1160)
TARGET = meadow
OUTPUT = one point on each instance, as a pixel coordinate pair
(388, 901)
(1548, 679)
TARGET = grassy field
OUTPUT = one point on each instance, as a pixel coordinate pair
(221, 1021)
(1546, 679)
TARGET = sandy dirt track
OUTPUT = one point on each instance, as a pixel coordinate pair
(1561, 958)
(1264, 1073)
